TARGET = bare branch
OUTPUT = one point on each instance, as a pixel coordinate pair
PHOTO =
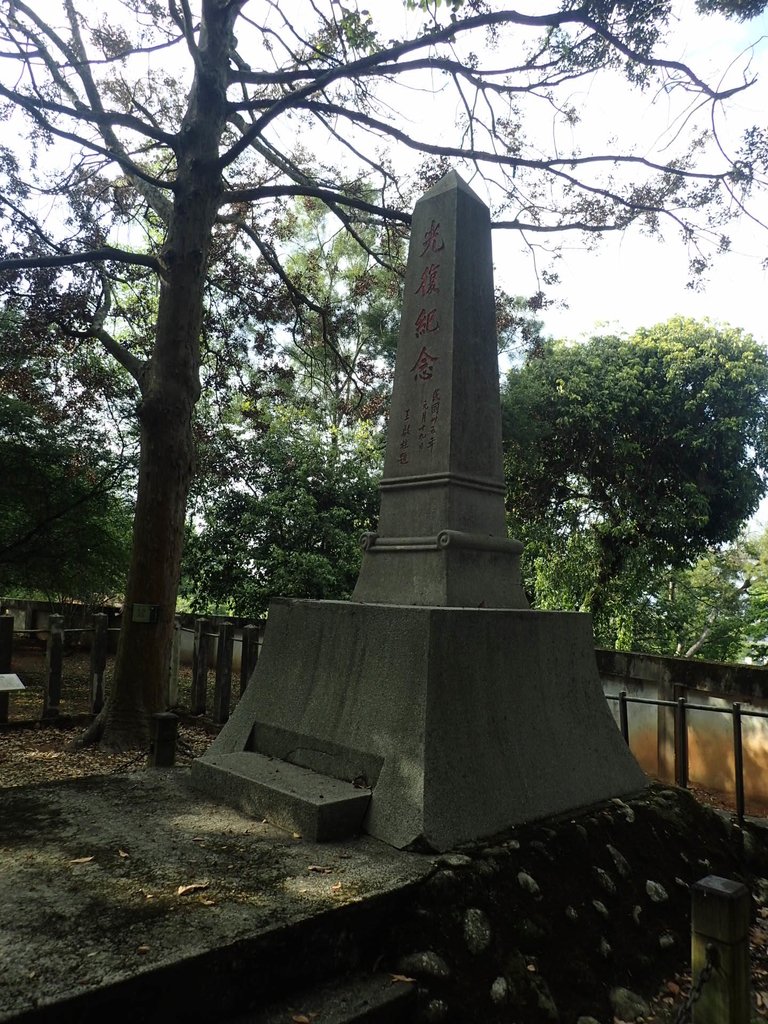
(276, 191)
(106, 254)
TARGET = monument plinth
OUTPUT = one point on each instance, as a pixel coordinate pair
(435, 707)
(442, 536)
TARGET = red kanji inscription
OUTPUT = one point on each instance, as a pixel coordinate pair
(433, 241)
(429, 280)
(426, 322)
(424, 365)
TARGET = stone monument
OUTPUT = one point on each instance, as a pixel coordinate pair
(434, 707)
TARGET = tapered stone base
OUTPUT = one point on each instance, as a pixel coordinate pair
(461, 721)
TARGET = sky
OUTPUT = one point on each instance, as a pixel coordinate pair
(629, 280)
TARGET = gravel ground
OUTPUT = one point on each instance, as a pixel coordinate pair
(32, 752)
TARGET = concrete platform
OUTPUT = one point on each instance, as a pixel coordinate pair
(133, 898)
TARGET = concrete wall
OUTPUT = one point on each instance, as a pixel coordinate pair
(710, 735)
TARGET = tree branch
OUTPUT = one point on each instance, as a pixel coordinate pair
(328, 196)
(106, 254)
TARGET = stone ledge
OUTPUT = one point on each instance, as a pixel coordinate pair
(318, 807)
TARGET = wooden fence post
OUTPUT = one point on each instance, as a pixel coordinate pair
(200, 656)
(249, 655)
(222, 693)
(98, 660)
(54, 656)
(173, 669)
(720, 913)
(6, 654)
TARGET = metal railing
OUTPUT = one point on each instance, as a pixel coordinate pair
(681, 708)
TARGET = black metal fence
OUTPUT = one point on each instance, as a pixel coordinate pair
(681, 707)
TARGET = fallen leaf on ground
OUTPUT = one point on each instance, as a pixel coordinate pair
(192, 887)
(318, 869)
(396, 978)
(336, 887)
(301, 1018)
(208, 903)
(122, 853)
(142, 949)
(82, 860)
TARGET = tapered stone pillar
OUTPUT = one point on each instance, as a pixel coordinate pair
(442, 536)
(434, 707)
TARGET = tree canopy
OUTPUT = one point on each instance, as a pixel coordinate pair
(163, 141)
(65, 521)
(630, 456)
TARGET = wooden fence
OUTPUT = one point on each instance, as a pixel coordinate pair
(213, 648)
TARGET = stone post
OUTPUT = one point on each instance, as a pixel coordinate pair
(173, 669)
(6, 651)
(720, 927)
(54, 657)
(222, 692)
(200, 657)
(164, 728)
(98, 660)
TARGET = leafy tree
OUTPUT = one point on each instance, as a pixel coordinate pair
(163, 139)
(343, 335)
(287, 520)
(628, 457)
(64, 516)
(64, 522)
(703, 611)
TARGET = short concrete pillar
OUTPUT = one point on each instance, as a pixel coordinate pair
(98, 660)
(164, 730)
(54, 660)
(6, 648)
(720, 922)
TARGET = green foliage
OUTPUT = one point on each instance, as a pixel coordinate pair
(284, 517)
(64, 525)
(346, 315)
(743, 10)
(630, 457)
(64, 519)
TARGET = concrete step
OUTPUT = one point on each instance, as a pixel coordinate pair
(361, 999)
(318, 807)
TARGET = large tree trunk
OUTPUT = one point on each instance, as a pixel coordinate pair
(170, 388)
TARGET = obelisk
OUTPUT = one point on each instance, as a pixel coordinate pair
(442, 536)
(435, 707)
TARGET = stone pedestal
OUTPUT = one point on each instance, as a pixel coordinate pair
(456, 723)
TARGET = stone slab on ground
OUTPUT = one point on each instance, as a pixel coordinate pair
(131, 897)
(295, 798)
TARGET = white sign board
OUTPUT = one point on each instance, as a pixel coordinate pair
(9, 681)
